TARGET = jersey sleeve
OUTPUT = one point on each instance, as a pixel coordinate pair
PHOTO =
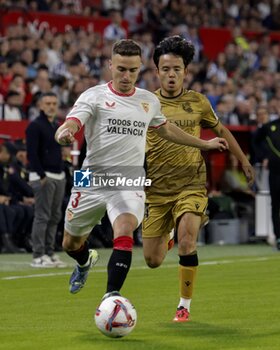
(210, 118)
(159, 119)
(84, 108)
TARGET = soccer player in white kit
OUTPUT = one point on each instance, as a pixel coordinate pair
(116, 117)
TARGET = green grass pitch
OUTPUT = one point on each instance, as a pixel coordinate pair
(236, 304)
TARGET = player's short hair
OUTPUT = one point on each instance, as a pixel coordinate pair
(47, 94)
(126, 47)
(175, 45)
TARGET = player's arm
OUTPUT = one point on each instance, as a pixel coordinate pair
(65, 133)
(174, 134)
(221, 131)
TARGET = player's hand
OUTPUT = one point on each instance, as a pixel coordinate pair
(217, 143)
(249, 172)
(65, 137)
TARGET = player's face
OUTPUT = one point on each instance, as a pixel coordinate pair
(49, 105)
(172, 72)
(125, 70)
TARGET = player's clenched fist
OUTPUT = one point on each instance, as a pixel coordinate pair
(65, 137)
(65, 133)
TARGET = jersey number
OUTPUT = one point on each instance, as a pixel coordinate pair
(75, 201)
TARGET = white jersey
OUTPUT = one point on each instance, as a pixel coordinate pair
(116, 124)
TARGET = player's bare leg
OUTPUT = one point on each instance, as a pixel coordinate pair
(155, 250)
(188, 229)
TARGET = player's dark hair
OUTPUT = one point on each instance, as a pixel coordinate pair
(126, 47)
(177, 46)
(47, 94)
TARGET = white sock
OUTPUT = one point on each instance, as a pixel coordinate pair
(186, 303)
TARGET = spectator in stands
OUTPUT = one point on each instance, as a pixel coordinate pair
(77, 88)
(15, 189)
(148, 46)
(42, 59)
(259, 151)
(47, 180)
(18, 67)
(8, 216)
(27, 56)
(114, 31)
(21, 194)
(21, 158)
(42, 81)
(17, 84)
(193, 36)
(270, 132)
(21, 163)
(226, 110)
(34, 108)
(6, 242)
(216, 71)
(5, 77)
(135, 14)
(54, 53)
(235, 185)
(111, 4)
(11, 108)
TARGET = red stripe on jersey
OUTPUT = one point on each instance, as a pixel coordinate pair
(110, 86)
(76, 120)
(158, 126)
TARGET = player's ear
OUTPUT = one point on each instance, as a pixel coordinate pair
(110, 64)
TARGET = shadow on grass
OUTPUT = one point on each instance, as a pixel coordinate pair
(169, 336)
(163, 333)
(194, 329)
(100, 341)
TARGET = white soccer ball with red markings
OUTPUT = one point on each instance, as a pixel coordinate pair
(115, 317)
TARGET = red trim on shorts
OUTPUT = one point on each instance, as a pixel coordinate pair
(76, 120)
(123, 243)
(110, 86)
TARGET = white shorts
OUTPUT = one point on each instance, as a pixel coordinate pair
(86, 208)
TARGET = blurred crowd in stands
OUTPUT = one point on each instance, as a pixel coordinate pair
(36, 59)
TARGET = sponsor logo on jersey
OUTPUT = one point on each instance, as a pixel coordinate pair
(126, 126)
(145, 106)
(183, 123)
(82, 178)
(187, 107)
(110, 105)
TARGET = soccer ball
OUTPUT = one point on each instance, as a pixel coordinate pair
(115, 317)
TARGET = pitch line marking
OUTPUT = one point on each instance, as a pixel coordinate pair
(215, 262)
